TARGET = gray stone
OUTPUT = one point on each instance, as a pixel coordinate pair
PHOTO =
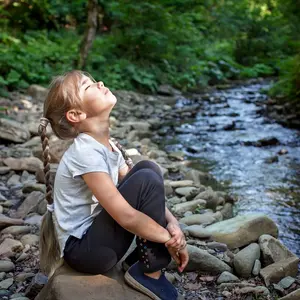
(16, 230)
(218, 246)
(30, 204)
(6, 266)
(198, 219)
(227, 211)
(278, 289)
(181, 183)
(29, 239)
(276, 271)
(30, 187)
(254, 290)
(13, 131)
(244, 260)
(286, 282)
(20, 298)
(242, 230)
(197, 176)
(203, 262)
(4, 170)
(272, 250)
(256, 267)
(5, 284)
(188, 206)
(9, 246)
(295, 295)
(211, 197)
(23, 276)
(2, 275)
(30, 164)
(227, 277)
(13, 180)
(186, 191)
(38, 92)
(34, 219)
(198, 231)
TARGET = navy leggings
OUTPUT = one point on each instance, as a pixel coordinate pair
(106, 242)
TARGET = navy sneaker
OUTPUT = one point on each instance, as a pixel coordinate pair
(157, 289)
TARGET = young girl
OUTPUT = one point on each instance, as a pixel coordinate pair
(99, 203)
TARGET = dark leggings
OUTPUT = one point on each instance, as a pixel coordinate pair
(106, 242)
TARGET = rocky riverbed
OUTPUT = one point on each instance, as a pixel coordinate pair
(230, 257)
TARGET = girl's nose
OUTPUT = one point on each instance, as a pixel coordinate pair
(100, 84)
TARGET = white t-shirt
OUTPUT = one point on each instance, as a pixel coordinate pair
(74, 205)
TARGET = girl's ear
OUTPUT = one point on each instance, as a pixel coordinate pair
(75, 116)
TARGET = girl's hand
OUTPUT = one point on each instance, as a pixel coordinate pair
(178, 240)
(181, 257)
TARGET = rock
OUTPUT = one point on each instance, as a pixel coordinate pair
(272, 141)
(6, 266)
(167, 90)
(227, 211)
(23, 276)
(16, 230)
(227, 277)
(198, 231)
(188, 191)
(242, 230)
(286, 282)
(9, 246)
(30, 187)
(35, 286)
(4, 170)
(13, 180)
(278, 289)
(272, 159)
(13, 131)
(20, 298)
(181, 183)
(211, 197)
(29, 239)
(217, 246)
(278, 270)
(188, 206)
(170, 277)
(40, 177)
(283, 151)
(203, 262)
(256, 267)
(197, 176)
(198, 219)
(176, 155)
(295, 295)
(254, 290)
(67, 284)
(226, 294)
(234, 285)
(34, 219)
(38, 92)
(272, 250)
(244, 260)
(5, 284)
(30, 164)
(30, 204)
(2, 275)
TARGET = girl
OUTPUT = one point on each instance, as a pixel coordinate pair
(91, 219)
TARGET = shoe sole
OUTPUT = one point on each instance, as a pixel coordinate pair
(137, 286)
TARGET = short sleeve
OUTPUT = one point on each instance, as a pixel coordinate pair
(87, 161)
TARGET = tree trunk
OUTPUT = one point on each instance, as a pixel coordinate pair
(89, 34)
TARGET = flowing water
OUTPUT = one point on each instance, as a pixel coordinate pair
(221, 137)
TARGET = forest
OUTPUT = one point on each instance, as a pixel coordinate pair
(139, 45)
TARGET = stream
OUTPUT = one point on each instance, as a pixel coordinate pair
(256, 158)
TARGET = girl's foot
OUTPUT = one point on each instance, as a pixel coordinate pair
(157, 289)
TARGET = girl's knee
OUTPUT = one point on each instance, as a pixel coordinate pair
(147, 164)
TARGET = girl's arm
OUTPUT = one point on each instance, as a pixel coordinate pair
(122, 173)
(121, 211)
(170, 218)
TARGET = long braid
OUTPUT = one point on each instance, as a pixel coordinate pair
(46, 161)
(49, 246)
(127, 159)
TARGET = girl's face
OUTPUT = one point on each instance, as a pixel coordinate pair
(96, 97)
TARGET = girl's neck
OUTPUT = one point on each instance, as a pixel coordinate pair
(99, 131)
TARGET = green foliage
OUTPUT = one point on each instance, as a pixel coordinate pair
(142, 44)
(288, 86)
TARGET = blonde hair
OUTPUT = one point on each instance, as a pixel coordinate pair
(62, 96)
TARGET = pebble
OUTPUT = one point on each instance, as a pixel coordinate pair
(6, 266)
(2, 275)
(23, 276)
(15, 230)
(256, 267)
(226, 294)
(217, 246)
(227, 277)
(5, 284)
(286, 282)
(29, 239)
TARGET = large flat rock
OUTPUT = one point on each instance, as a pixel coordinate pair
(67, 284)
(242, 230)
